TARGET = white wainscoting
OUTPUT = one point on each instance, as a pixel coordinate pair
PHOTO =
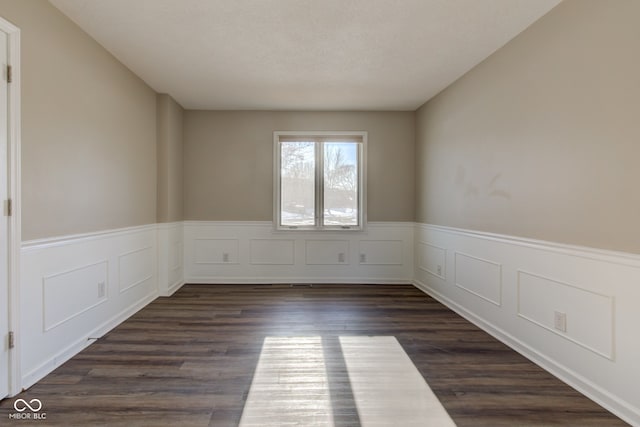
(478, 276)
(253, 252)
(170, 258)
(513, 288)
(76, 288)
(326, 252)
(56, 289)
(272, 251)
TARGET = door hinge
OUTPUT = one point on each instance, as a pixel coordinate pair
(9, 74)
(9, 209)
(12, 340)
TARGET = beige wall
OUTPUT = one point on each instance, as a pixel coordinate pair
(88, 130)
(542, 139)
(228, 161)
(169, 137)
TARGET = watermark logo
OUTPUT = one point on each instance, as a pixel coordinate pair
(21, 405)
(28, 410)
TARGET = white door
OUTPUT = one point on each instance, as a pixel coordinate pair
(4, 222)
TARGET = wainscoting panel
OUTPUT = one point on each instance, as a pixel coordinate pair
(432, 259)
(216, 251)
(541, 300)
(70, 292)
(327, 252)
(87, 284)
(170, 257)
(479, 276)
(381, 252)
(266, 255)
(272, 251)
(135, 268)
(572, 310)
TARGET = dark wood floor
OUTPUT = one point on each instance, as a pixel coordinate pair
(188, 360)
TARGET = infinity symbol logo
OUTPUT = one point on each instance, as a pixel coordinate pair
(21, 405)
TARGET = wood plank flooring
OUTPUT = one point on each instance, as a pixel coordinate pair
(189, 360)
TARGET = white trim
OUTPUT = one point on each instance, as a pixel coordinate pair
(360, 250)
(50, 242)
(137, 282)
(593, 391)
(345, 260)
(371, 224)
(173, 288)
(597, 372)
(45, 348)
(426, 270)
(293, 251)
(168, 225)
(232, 280)
(170, 238)
(317, 270)
(472, 292)
(385, 224)
(196, 223)
(216, 239)
(319, 137)
(58, 359)
(587, 252)
(491, 323)
(14, 190)
(612, 344)
(101, 300)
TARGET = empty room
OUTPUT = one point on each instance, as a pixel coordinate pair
(320, 213)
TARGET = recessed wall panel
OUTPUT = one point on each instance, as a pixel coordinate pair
(272, 251)
(70, 293)
(480, 277)
(589, 315)
(381, 252)
(432, 259)
(216, 251)
(175, 256)
(327, 252)
(135, 268)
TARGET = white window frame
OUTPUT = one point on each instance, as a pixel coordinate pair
(319, 185)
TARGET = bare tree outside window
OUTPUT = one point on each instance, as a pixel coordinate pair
(297, 183)
(340, 183)
(319, 182)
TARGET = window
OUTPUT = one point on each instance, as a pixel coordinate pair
(319, 180)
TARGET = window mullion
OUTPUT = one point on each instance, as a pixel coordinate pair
(292, 186)
(360, 186)
(319, 184)
(278, 182)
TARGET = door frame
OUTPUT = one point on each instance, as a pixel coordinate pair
(13, 176)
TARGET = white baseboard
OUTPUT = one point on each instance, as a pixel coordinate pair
(170, 257)
(296, 280)
(74, 288)
(58, 359)
(508, 286)
(511, 287)
(175, 287)
(253, 252)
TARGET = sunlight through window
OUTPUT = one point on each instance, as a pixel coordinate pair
(387, 387)
(291, 384)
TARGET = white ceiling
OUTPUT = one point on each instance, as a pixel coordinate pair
(302, 54)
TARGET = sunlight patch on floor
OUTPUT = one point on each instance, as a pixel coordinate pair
(291, 387)
(387, 387)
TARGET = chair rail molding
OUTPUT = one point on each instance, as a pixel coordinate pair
(517, 289)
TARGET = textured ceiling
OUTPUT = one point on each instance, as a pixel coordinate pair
(302, 54)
